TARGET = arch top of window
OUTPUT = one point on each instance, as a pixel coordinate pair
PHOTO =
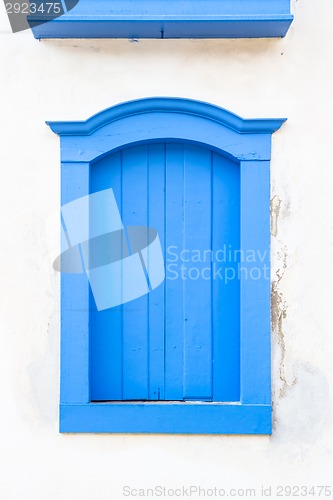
(166, 19)
(165, 118)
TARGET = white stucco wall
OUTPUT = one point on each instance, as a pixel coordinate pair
(59, 80)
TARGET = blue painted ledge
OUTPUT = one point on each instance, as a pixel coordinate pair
(166, 418)
(169, 19)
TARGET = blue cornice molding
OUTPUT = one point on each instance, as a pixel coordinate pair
(167, 105)
(168, 19)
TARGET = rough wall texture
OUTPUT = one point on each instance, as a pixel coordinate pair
(73, 79)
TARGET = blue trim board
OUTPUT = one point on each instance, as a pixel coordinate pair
(168, 19)
(75, 353)
(247, 143)
(255, 293)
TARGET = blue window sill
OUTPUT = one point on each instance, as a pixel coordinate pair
(170, 19)
(166, 418)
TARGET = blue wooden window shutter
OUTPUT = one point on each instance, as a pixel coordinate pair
(193, 354)
(166, 19)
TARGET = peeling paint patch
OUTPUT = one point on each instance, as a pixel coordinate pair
(278, 315)
(275, 213)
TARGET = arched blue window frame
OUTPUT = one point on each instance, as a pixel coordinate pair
(246, 141)
(167, 19)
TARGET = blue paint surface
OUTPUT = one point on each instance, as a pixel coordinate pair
(170, 19)
(206, 184)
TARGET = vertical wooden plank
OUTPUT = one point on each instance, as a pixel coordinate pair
(106, 325)
(174, 227)
(74, 385)
(197, 288)
(135, 318)
(156, 220)
(255, 283)
(225, 282)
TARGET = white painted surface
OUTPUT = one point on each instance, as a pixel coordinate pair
(59, 80)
